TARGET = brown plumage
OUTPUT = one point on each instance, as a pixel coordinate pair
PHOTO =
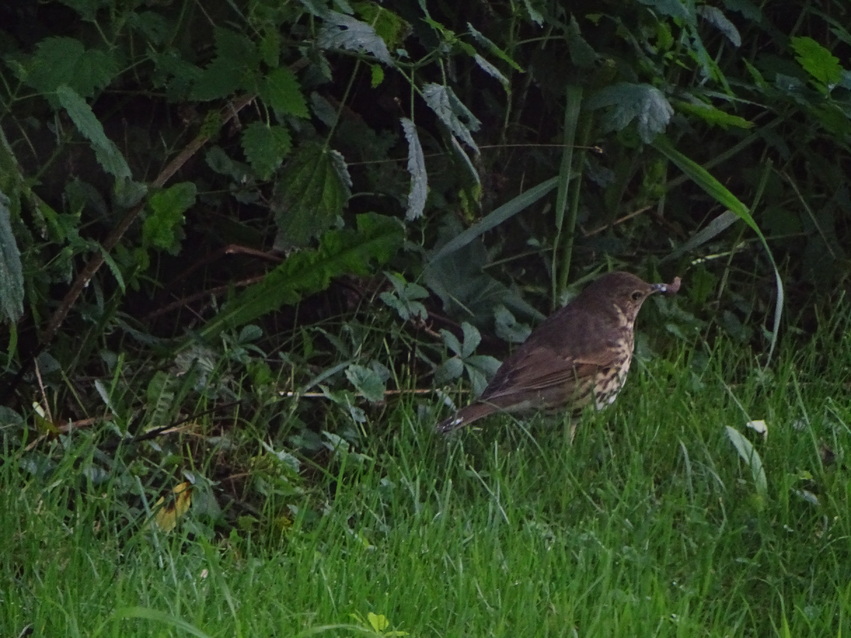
(579, 355)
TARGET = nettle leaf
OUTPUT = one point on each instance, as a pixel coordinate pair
(281, 90)
(345, 32)
(628, 102)
(341, 252)
(265, 147)
(452, 112)
(416, 167)
(11, 272)
(234, 67)
(820, 63)
(64, 61)
(311, 193)
(106, 152)
(716, 17)
(162, 228)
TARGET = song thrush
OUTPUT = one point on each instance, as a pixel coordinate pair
(580, 355)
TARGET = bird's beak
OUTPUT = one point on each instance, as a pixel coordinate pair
(668, 289)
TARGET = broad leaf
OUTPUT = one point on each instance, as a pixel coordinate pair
(345, 32)
(749, 455)
(820, 63)
(627, 102)
(310, 195)
(64, 61)
(452, 112)
(265, 147)
(281, 90)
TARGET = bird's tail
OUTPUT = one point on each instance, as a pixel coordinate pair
(465, 416)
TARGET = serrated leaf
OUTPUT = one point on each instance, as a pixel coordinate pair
(628, 102)
(311, 193)
(388, 25)
(106, 152)
(472, 339)
(11, 271)
(345, 32)
(282, 91)
(416, 167)
(162, 227)
(449, 370)
(64, 61)
(341, 252)
(367, 382)
(265, 147)
(716, 17)
(457, 117)
(491, 70)
(714, 116)
(234, 67)
(820, 63)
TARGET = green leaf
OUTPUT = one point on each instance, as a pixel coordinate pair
(11, 271)
(822, 66)
(716, 17)
(673, 8)
(628, 102)
(281, 90)
(472, 339)
(234, 67)
(495, 218)
(162, 228)
(367, 382)
(64, 61)
(391, 28)
(723, 196)
(265, 147)
(310, 195)
(416, 167)
(714, 116)
(345, 32)
(340, 252)
(747, 452)
(106, 152)
(452, 112)
(449, 370)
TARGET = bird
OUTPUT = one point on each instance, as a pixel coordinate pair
(579, 355)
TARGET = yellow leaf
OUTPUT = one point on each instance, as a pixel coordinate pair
(168, 513)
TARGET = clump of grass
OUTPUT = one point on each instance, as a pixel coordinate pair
(649, 523)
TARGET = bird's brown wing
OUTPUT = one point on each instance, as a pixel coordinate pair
(542, 368)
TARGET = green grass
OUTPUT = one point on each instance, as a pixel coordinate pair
(648, 524)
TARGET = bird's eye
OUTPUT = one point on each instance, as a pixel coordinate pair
(637, 295)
